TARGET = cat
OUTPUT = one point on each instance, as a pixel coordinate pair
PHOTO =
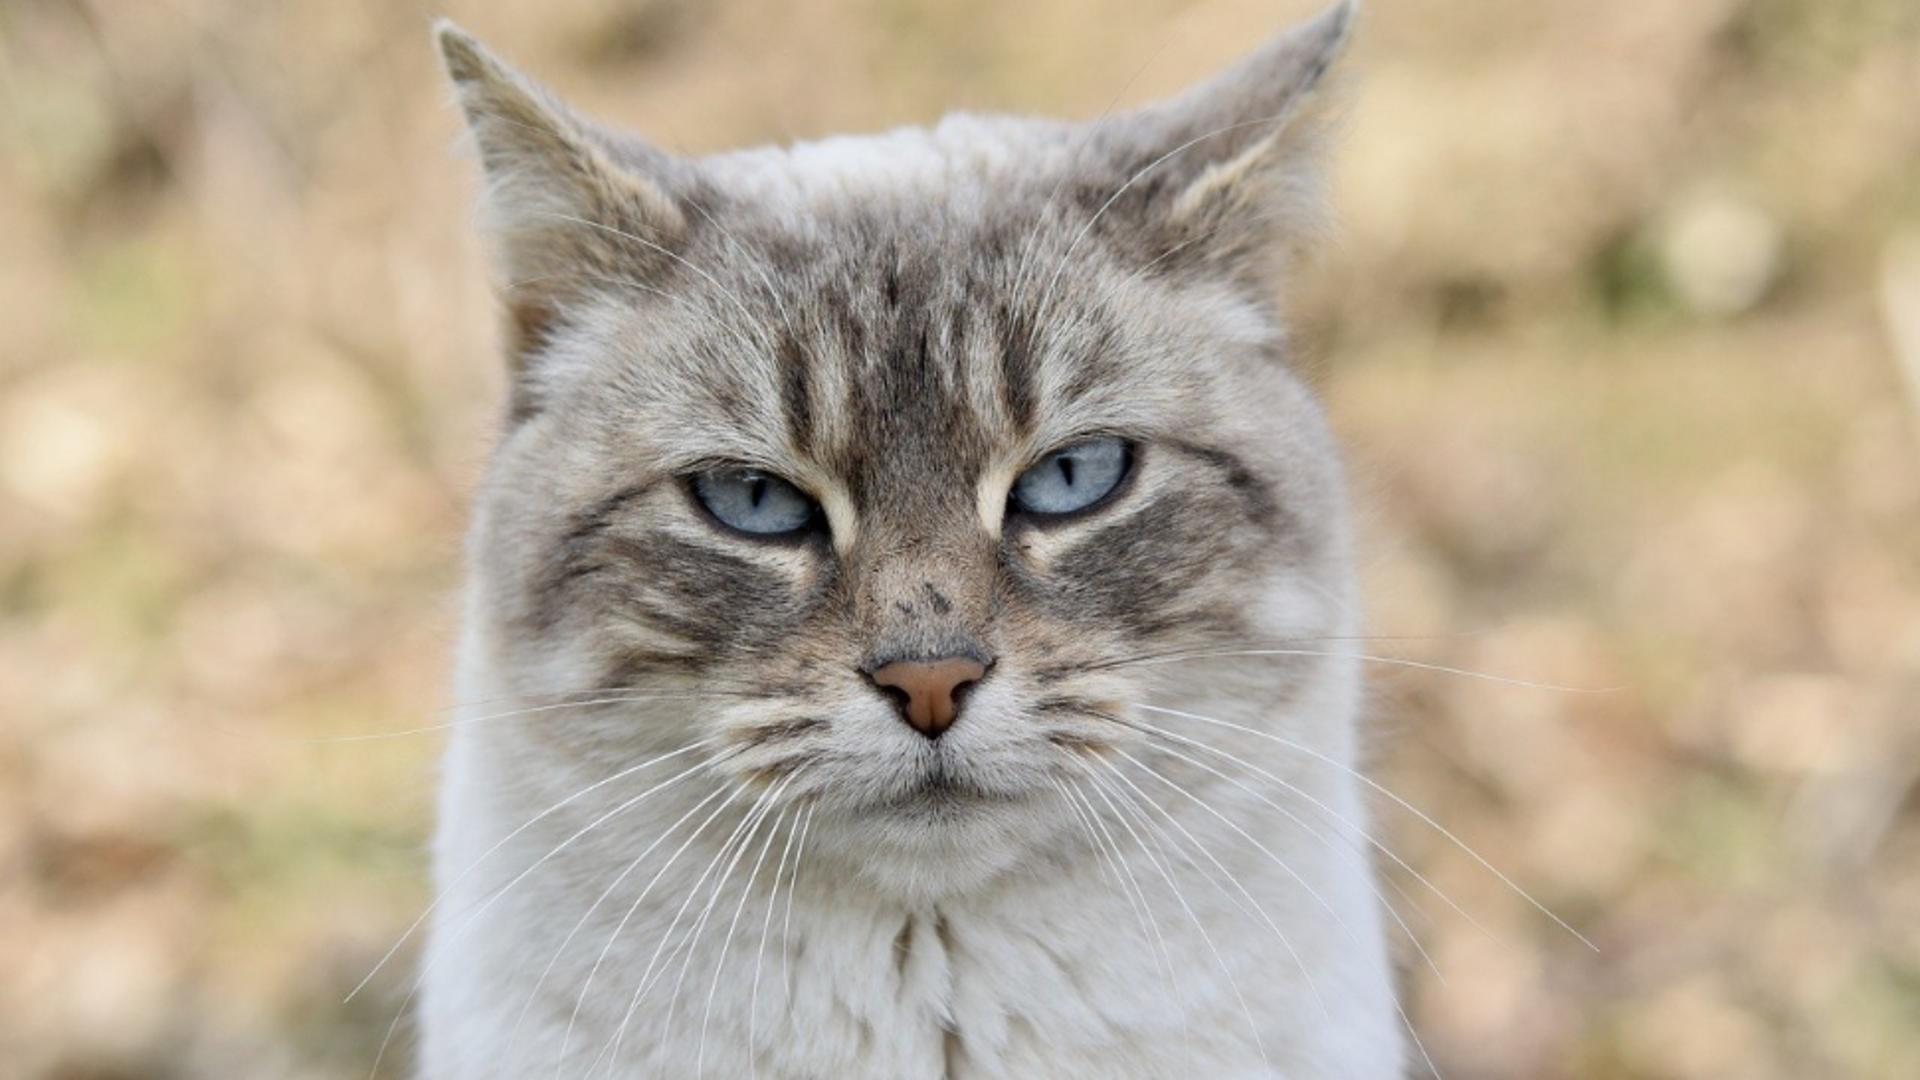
(909, 604)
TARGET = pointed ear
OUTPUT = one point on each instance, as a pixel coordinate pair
(567, 205)
(1239, 156)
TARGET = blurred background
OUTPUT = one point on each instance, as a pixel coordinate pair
(1622, 329)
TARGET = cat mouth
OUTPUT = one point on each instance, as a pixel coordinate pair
(939, 790)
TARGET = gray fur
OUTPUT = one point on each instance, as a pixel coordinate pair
(899, 325)
(1017, 284)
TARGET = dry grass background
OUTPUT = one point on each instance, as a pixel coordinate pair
(1623, 330)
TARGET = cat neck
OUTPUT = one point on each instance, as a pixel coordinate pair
(1142, 937)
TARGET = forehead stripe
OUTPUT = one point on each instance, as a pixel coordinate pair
(1017, 372)
(796, 394)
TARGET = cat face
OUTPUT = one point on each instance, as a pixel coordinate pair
(889, 466)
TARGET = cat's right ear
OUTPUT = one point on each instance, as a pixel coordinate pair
(568, 207)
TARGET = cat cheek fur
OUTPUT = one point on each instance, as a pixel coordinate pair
(899, 324)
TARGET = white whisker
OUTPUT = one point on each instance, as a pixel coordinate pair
(608, 891)
(605, 279)
(690, 943)
(1073, 794)
(566, 1039)
(1285, 942)
(1390, 661)
(745, 311)
(1249, 838)
(1405, 1020)
(502, 842)
(746, 892)
(473, 917)
(733, 242)
(375, 736)
(1088, 132)
(1158, 940)
(793, 886)
(715, 691)
(1397, 800)
(1085, 827)
(1138, 175)
(760, 954)
(1343, 821)
(1166, 875)
(748, 823)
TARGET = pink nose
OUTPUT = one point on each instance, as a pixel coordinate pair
(928, 692)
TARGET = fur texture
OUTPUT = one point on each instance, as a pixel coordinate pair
(899, 325)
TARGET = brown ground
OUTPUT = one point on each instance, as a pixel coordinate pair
(1623, 329)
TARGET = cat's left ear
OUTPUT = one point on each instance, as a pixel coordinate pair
(1229, 173)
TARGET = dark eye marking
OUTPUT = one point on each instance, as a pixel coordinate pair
(577, 555)
(708, 598)
(784, 730)
(600, 514)
(1079, 705)
(1146, 572)
(1262, 508)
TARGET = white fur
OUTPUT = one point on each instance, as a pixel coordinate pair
(1041, 970)
(1001, 941)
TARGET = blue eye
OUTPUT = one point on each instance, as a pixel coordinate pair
(754, 502)
(1072, 478)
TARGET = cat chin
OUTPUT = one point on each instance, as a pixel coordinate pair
(938, 845)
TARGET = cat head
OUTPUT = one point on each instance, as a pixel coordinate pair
(894, 466)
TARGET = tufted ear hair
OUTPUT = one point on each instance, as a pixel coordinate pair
(569, 207)
(1229, 171)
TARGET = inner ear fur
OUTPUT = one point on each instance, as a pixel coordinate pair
(1241, 153)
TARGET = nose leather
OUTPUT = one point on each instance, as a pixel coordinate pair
(928, 691)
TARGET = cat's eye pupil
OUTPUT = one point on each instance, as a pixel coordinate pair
(1072, 479)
